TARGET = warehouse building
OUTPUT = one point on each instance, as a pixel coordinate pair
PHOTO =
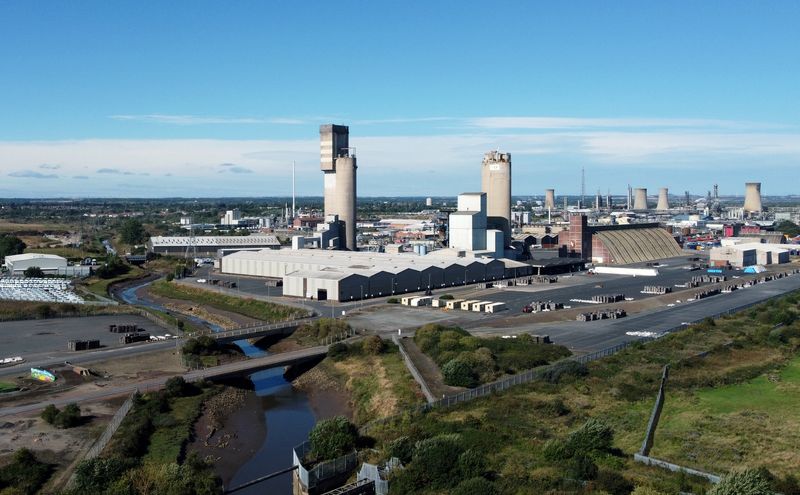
(352, 275)
(742, 255)
(49, 263)
(209, 245)
(618, 244)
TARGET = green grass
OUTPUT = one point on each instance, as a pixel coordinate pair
(252, 308)
(188, 326)
(7, 387)
(65, 252)
(100, 286)
(175, 428)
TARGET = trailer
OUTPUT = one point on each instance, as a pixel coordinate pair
(495, 307)
(453, 303)
(480, 306)
(422, 301)
(467, 305)
(438, 303)
(406, 300)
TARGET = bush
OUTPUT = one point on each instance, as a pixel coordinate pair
(583, 468)
(457, 373)
(393, 300)
(471, 463)
(49, 414)
(332, 438)
(614, 483)
(338, 351)
(436, 459)
(24, 473)
(96, 475)
(747, 482)
(170, 277)
(402, 448)
(475, 486)
(372, 345)
(447, 297)
(564, 369)
(556, 450)
(593, 436)
(70, 416)
(177, 387)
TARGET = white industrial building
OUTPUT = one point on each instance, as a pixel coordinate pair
(209, 245)
(752, 253)
(467, 227)
(49, 263)
(352, 275)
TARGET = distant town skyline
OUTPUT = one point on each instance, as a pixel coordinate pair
(211, 99)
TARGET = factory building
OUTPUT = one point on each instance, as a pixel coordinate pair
(16, 264)
(338, 164)
(496, 183)
(208, 245)
(468, 227)
(618, 244)
(752, 253)
(348, 275)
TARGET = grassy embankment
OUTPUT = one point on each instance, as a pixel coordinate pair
(99, 286)
(253, 308)
(729, 405)
(7, 387)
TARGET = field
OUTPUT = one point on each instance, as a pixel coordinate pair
(731, 403)
(253, 308)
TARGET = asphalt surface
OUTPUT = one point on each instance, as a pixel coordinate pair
(42, 339)
(596, 335)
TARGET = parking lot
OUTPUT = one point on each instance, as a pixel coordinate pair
(34, 339)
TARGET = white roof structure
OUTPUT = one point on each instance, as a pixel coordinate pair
(215, 241)
(34, 256)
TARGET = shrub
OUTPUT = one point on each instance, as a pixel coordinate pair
(96, 475)
(436, 460)
(457, 373)
(402, 448)
(583, 468)
(338, 351)
(33, 272)
(70, 416)
(332, 438)
(747, 482)
(475, 486)
(593, 436)
(49, 414)
(372, 345)
(393, 300)
(556, 450)
(614, 483)
(561, 370)
(24, 473)
(471, 463)
(447, 297)
(177, 387)
(170, 277)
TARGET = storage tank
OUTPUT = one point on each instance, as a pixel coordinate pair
(346, 198)
(752, 197)
(640, 198)
(496, 183)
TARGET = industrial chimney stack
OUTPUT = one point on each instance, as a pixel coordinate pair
(550, 199)
(752, 197)
(338, 164)
(663, 199)
(640, 198)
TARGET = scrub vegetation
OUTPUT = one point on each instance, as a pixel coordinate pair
(730, 406)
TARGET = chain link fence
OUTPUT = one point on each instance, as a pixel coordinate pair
(324, 470)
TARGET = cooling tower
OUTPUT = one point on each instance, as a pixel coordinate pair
(339, 169)
(640, 198)
(496, 183)
(663, 199)
(550, 199)
(752, 197)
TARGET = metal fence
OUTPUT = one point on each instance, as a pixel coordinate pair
(413, 370)
(324, 470)
(97, 447)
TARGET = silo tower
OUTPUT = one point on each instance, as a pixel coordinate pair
(496, 183)
(338, 164)
(640, 198)
(752, 197)
(663, 199)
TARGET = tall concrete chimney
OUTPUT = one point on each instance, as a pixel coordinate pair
(640, 198)
(338, 165)
(550, 199)
(663, 199)
(752, 197)
(496, 183)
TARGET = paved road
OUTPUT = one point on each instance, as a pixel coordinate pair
(231, 369)
(597, 335)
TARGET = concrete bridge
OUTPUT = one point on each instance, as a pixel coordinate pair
(259, 331)
(238, 368)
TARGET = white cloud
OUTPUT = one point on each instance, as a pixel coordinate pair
(603, 123)
(157, 118)
(32, 174)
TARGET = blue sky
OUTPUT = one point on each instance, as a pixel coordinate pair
(217, 98)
